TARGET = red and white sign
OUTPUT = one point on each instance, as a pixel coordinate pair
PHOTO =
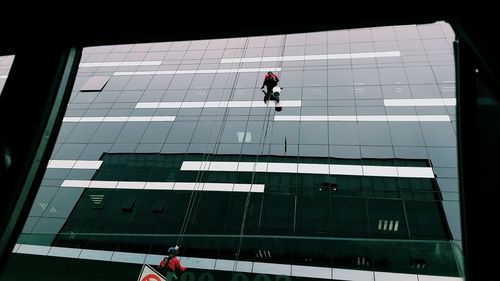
(149, 274)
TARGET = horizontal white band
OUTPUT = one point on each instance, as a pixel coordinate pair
(195, 71)
(303, 168)
(420, 102)
(216, 104)
(365, 118)
(74, 164)
(119, 119)
(315, 57)
(119, 63)
(197, 186)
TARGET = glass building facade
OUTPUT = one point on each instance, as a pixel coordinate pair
(5, 64)
(173, 143)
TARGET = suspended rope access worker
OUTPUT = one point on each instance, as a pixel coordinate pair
(271, 82)
(170, 264)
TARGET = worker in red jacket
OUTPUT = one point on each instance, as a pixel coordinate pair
(174, 264)
(270, 81)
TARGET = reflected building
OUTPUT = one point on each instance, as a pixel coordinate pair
(171, 143)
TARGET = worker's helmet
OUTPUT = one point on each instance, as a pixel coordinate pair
(173, 250)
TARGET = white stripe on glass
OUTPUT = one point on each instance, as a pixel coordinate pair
(119, 119)
(198, 186)
(216, 104)
(272, 268)
(420, 102)
(127, 257)
(311, 271)
(391, 276)
(365, 118)
(195, 71)
(231, 265)
(315, 57)
(352, 274)
(321, 169)
(33, 249)
(437, 278)
(228, 265)
(74, 164)
(3, 76)
(64, 252)
(119, 63)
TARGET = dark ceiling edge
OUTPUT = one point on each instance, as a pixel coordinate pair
(109, 32)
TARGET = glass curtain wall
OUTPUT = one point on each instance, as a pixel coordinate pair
(173, 143)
